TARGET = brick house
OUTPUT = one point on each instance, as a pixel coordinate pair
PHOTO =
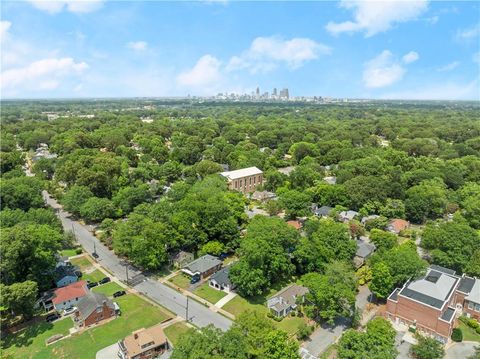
(432, 303)
(245, 180)
(94, 308)
(397, 225)
(203, 266)
(144, 344)
(468, 294)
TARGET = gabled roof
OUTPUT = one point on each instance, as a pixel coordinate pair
(290, 294)
(144, 339)
(364, 249)
(203, 264)
(71, 291)
(398, 224)
(91, 302)
(65, 271)
(323, 211)
(348, 214)
(244, 172)
(222, 276)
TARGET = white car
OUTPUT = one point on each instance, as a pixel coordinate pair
(69, 310)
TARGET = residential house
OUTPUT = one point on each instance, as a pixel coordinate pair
(181, 259)
(295, 224)
(286, 170)
(144, 344)
(364, 251)
(397, 225)
(65, 275)
(347, 216)
(65, 297)
(369, 218)
(203, 266)
(432, 303)
(330, 179)
(93, 309)
(263, 196)
(286, 300)
(245, 180)
(221, 281)
(322, 212)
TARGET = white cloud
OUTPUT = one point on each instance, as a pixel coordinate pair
(440, 91)
(137, 45)
(449, 67)
(468, 34)
(4, 27)
(266, 53)
(412, 56)
(43, 74)
(377, 16)
(382, 71)
(206, 73)
(74, 6)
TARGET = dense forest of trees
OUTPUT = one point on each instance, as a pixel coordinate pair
(147, 173)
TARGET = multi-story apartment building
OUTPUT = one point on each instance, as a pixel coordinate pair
(432, 303)
(245, 180)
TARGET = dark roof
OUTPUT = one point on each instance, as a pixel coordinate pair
(423, 298)
(442, 269)
(203, 264)
(222, 276)
(323, 211)
(394, 295)
(364, 249)
(64, 271)
(448, 314)
(466, 284)
(91, 302)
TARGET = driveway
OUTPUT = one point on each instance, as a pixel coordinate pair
(461, 350)
(198, 314)
(109, 352)
(325, 336)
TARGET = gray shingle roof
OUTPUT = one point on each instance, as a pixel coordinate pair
(474, 295)
(222, 277)
(91, 302)
(364, 249)
(466, 284)
(203, 264)
(323, 211)
(63, 271)
(448, 314)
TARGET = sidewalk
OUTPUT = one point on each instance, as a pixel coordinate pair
(225, 299)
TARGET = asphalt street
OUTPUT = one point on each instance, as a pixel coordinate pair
(198, 314)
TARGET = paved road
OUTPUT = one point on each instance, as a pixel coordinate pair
(198, 314)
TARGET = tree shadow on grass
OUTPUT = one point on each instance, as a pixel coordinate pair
(25, 336)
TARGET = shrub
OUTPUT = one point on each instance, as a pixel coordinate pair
(478, 330)
(457, 335)
(293, 314)
(79, 250)
(473, 323)
(464, 319)
(304, 331)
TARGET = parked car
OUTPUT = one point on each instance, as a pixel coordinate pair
(119, 293)
(195, 279)
(223, 256)
(104, 280)
(52, 317)
(95, 255)
(69, 310)
(92, 284)
(79, 274)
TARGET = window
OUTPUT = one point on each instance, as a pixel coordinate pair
(236, 184)
(470, 305)
(240, 183)
(254, 179)
(250, 180)
(99, 309)
(477, 307)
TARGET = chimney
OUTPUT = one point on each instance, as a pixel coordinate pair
(135, 335)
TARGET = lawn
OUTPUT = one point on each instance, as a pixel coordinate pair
(107, 289)
(68, 252)
(469, 334)
(238, 305)
(30, 341)
(181, 280)
(289, 324)
(174, 331)
(136, 314)
(209, 294)
(81, 262)
(94, 276)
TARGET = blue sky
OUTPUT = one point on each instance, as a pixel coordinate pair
(355, 49)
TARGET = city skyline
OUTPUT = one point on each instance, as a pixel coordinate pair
(396, 50)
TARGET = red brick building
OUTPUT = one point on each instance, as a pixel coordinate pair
(144, 344)
(432, 303)
(245, 180)
(92, 309)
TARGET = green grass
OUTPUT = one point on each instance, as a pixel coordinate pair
(238, 305)
(174, 331)
(68, 252)
(289, 324)
(469, 334)
(107, 289)
(81, 262)
(209, 294)
(181, 280)
(94, 276)
(29, 342)
(136, 314)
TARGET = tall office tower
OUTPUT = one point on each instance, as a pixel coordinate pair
(284, 94)
(274, 92)
(257, 92)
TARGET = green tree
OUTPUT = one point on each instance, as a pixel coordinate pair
(213, 247)
(97, 209)
(296, 203)
(75, 198)
(382, 281)
(277, 345)
(20, 297)
(426, 201)
(383, 240)
(21, 192)
(427, 348)
(128, 198)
